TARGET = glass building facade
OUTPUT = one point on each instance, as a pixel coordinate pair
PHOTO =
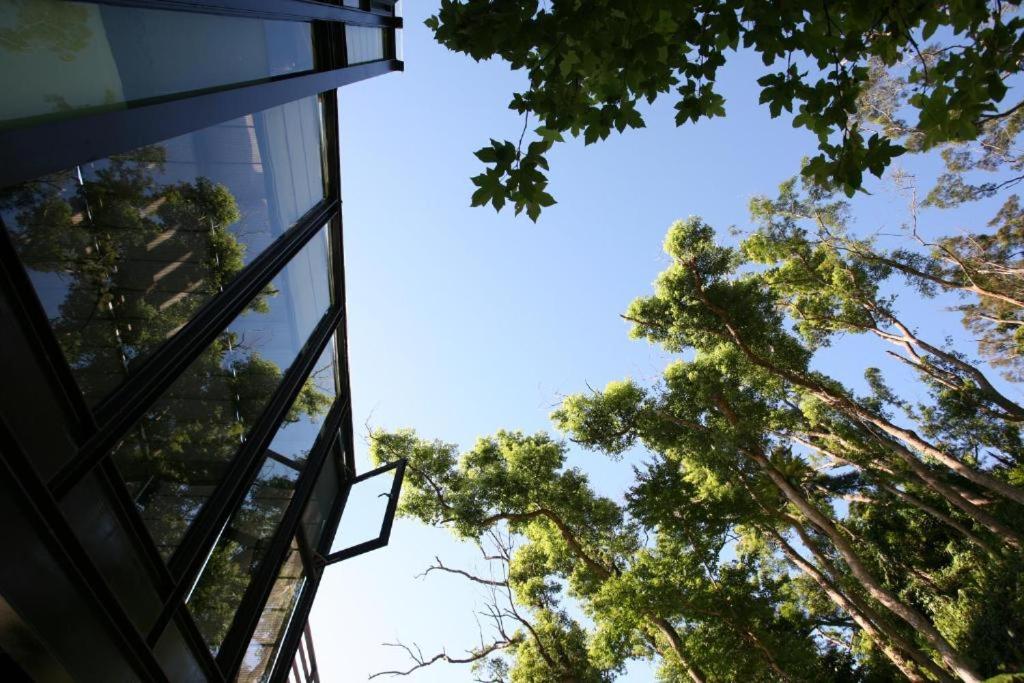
(175, 416)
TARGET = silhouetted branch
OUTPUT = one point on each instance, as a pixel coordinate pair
(420, 661)
(440, 566)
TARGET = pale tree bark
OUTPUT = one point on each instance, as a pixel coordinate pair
(950, 494)
(853, 409)
(676, 643)
(907, 498)
(945, 283)
(896, 649)
(949, 655)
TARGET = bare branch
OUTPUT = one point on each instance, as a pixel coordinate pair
(440, 566)
(420, 661)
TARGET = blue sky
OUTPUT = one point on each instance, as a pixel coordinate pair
(463, 321)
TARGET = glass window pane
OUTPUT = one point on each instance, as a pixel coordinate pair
(364, 511)
(61, 58)
(178, 453)
(299, 430)
(262, 652)
(238, 552)
(364, 43)
(123, 251)
(178, 660)
(322, 502)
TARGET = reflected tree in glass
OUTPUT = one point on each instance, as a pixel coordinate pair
(239, 551)
(121, 262)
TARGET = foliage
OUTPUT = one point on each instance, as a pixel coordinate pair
(591, 65)
(783, 527)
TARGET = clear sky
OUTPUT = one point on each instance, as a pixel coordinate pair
(463, 321)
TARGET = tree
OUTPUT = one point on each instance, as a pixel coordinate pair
(590, 66)
(672, 599)
(784, 527)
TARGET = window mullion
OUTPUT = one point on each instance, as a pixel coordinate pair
(131, 401)
(188, 559)
(272, 9)
(27, 153)
(233, 649)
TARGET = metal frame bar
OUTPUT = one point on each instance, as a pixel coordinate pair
(30, 152)
(27, 153)
(62, 543)
(389, 513)
(32, 320)
(315, 572)
(340, 417)
(190, 632)
(314, 674)
(188, 560)
(128, 516)
(118, 412)
(290, 642)
(249, 611)
(271, 9)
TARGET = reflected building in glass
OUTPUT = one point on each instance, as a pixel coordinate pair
(175, 416)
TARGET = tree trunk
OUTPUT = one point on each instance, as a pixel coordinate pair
(917, 620)
(949, 655)
(916, 502)
(943, 282)
(909, 436)
(926, 476)
(908, 498)
(852, 409)
(895, 654)
(676, 643)
(953, 497)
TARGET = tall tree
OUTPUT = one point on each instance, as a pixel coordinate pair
(669, 598)
(823, 534)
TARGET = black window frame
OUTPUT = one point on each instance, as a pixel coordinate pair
(29, 152)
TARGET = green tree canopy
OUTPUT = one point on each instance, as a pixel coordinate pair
(592, 64)
(782, 526)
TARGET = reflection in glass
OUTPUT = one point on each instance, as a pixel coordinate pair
(123, 251)
(238, 552)
(364, 43)
(364, 511)
(322, 502)
(62, 58)
(178, 453)
(262, 652)
(297, 435)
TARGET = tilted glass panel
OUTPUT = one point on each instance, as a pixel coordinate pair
(264, 647)
(179, 451)
(364, 512)
(64, 58)
(364, 43)
(322, 502)
(302, 424)
(123, 251)
(239, 551)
